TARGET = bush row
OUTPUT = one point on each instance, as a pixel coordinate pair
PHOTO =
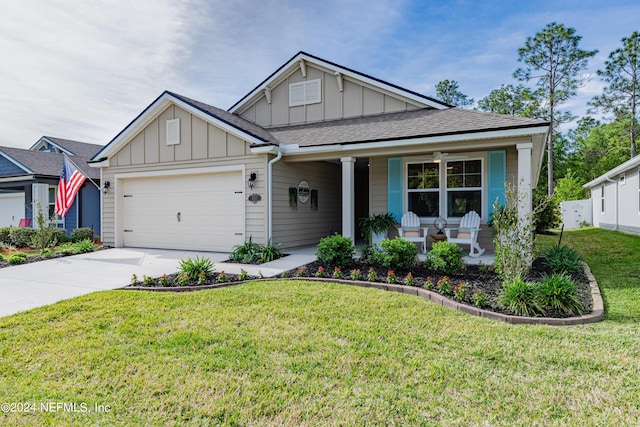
(444, 257)
(22, 237)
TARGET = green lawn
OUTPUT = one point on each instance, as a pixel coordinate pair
(302, 353)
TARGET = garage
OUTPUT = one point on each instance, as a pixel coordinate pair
(191, 212)
(11, 209)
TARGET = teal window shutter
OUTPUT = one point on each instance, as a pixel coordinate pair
(394, 187)
(496, 178)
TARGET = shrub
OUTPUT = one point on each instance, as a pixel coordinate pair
(514, 236)
(444, 257)
(192, 267)
(521, 297)
(81, 233)
(548, 215)
(559, 292)
(60, 235)
(270, 252)
(444, 286)
(335, 250)
(460, 291)
(1, 257)
(247, 252)
(5, 239)
(21, 237)
(83, 246)
(396, 253)
(16, 259)
(479, 298)
(563, 259)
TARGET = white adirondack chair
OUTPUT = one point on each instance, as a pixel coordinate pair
(467, 233)
(411, 230)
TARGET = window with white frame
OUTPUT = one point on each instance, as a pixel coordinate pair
(602, 201)
(53, 189)
(423, 186)
(464, 187)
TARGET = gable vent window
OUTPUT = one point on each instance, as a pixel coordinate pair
(303, 93)
(173, 131)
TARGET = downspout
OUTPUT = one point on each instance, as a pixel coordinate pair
(615, 182)
(270, 193)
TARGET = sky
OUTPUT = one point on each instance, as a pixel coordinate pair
(83, 70)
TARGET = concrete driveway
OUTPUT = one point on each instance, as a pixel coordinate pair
(26, 286)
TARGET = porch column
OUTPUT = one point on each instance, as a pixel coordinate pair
(524, 179)
(348, 197)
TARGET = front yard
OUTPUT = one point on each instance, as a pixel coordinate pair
(301, 353)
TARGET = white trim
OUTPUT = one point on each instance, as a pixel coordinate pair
(51, 142)
(293, 65)
(18, 178)
(153, 110)
(116, 186)
(629, 164)
(15, 162)
(173, 131)
(409, 142)
(483, 174)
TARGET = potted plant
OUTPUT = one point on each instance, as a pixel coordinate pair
(374, 227)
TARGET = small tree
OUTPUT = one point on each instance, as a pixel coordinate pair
(45, 230)
(514, 235)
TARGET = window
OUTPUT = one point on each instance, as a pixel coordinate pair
(622, 179)
(303, 93)
(602, 197)
(53, 189)
(464, 187)
(423, 185)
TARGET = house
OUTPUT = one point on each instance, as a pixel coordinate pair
(29, 178)
(307, 152)
(615, 198)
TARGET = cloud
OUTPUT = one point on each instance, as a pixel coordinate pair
(72, 69)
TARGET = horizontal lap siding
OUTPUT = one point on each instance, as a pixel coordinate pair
(303, 226)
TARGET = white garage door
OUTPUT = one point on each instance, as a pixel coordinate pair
(193, 212)
(11, 209)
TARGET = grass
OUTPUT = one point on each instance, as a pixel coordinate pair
(303, 354)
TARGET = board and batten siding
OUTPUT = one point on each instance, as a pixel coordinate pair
(356, 99)
(202, 145)
(303, 226)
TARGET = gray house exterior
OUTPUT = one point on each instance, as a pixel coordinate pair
(307, 152)
(615, 198)
(29, 178)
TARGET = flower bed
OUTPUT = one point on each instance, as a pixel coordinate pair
(472, 285)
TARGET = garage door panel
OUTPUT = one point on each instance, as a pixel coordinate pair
(210, 207)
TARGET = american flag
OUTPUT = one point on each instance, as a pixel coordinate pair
(71, 179)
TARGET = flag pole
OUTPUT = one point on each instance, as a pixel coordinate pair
(81, 171)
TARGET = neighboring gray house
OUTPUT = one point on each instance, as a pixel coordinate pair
(306, 153)
(615, 198)
(29, 178)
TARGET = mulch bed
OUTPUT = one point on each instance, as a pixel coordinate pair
(37, 258)
(475, 277)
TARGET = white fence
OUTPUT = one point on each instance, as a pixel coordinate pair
(576, 213)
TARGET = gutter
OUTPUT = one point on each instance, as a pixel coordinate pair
(270, 193)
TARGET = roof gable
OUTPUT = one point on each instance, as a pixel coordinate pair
(624, 167)
(235, 125)
(302, 59)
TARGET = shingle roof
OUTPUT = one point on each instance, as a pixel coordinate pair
(231, 119)
(45, 163)
(409, 124)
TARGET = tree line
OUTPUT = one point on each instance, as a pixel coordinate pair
(552, 71)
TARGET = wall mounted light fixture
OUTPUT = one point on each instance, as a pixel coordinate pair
(105, 187)
(252, 179)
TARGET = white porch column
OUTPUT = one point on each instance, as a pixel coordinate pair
(524, 178)
(348, 197)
